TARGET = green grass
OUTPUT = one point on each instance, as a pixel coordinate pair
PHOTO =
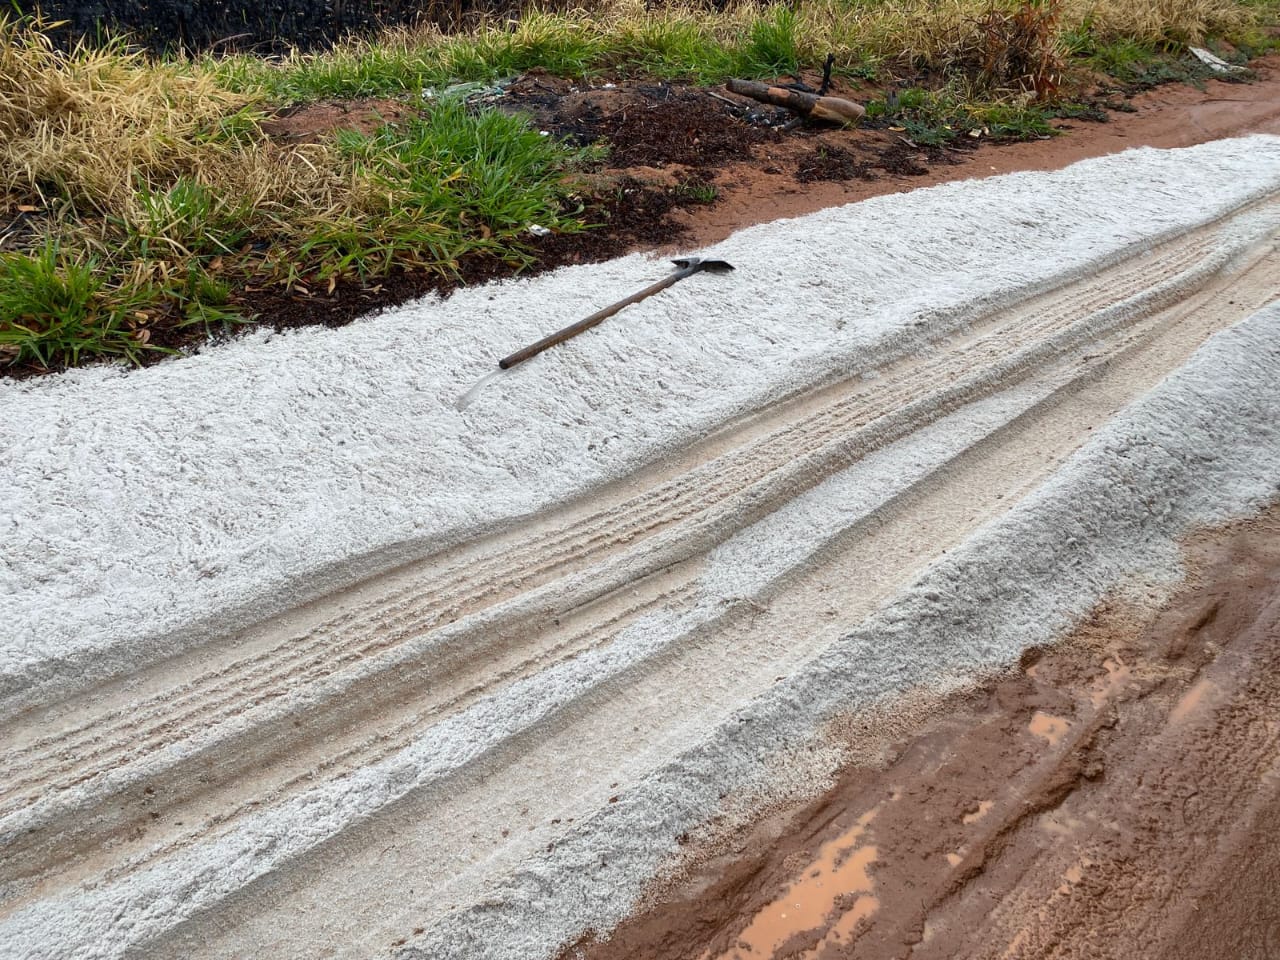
(936, 117)
(676, 44)
(406, 66)
(60, 310)
(1261, 36)
(773, 45)
(1130, 61)
(696, 191)
(162, 196)
(451, 183)
(186, 219)
(674, 47)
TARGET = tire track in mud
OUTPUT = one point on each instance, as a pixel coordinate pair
(508, 601)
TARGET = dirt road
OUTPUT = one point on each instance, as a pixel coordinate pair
(486, 751)
(1111, 796)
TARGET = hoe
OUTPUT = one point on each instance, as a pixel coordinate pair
(685, 267)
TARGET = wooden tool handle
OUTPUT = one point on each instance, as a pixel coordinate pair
(520, 356)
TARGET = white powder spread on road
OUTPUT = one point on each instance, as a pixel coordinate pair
(143, 511)
(1201, 448)
(270, 838)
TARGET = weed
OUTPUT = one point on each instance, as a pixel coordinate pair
(1011, 121)
(696, 190)
(1090, 110)
(204, 301)
(1016, 49)
(934, 118)
(454, 182)
(187, 219)
(1140, 65)
(59, 311)
(772, 44)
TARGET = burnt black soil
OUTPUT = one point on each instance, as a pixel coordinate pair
(643, 125)
(257, 26)
(832, 163)
(871, 160)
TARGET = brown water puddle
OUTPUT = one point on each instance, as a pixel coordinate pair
(834, 893)
(983, 808)
(1051, 728)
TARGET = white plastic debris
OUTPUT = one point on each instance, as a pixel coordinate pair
(1217, 64)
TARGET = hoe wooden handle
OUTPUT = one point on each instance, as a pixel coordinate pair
(520, 356)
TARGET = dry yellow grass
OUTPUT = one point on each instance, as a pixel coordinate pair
(928, 32)
(113, 146)
(1157, 21)
(88, 126)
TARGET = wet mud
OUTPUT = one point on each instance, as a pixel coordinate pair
(1112, 796)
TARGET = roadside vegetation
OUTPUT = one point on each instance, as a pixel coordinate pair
(137, 195)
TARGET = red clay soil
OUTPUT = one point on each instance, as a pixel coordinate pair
(1114, 796)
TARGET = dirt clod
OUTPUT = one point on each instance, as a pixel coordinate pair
(832, 163)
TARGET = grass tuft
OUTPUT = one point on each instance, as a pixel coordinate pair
(772, 47)
(448, 184)
(1014, 49)
(59, 310)
(936, 117)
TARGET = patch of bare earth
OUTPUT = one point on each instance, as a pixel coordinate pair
(1113, 796)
